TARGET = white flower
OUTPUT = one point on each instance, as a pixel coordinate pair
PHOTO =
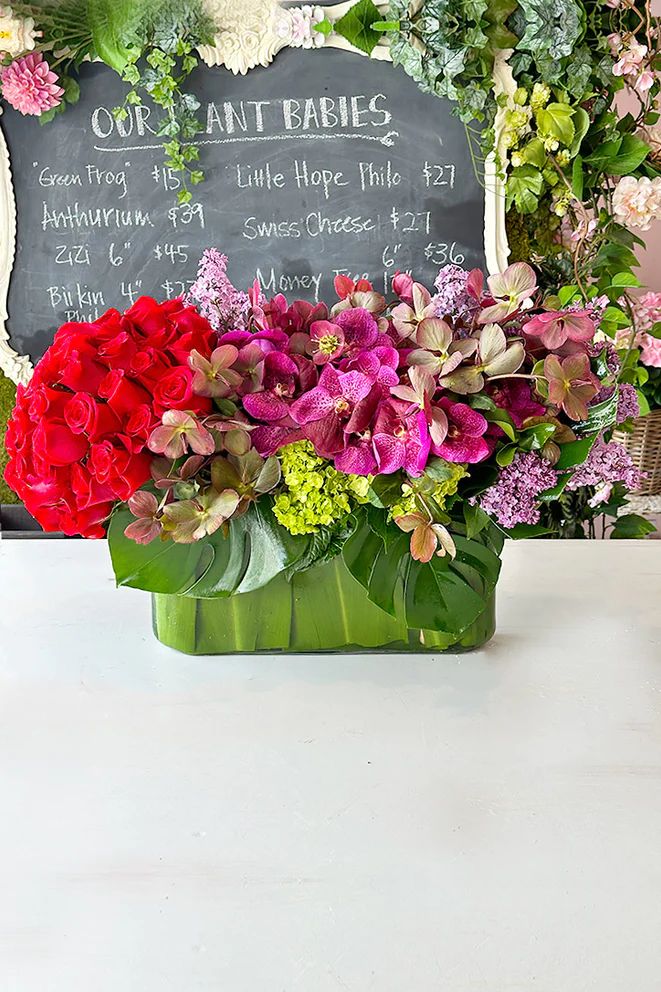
(637, 202)
(17, 34)
(303, 34)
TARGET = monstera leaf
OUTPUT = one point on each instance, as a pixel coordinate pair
(255, 550)
(443, 594)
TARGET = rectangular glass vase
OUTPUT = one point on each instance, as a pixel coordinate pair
(322, 609)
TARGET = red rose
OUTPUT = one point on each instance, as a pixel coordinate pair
(77, 438)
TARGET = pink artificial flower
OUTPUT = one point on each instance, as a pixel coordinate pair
(650, 353)
(29, 85)
(400, 438)
(464, 440)
(554, 327)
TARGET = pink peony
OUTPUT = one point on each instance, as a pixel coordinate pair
(29, 86)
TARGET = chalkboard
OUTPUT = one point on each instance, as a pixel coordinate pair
(324, 162)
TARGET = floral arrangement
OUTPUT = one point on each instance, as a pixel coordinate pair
(227, 438)
(641, 345)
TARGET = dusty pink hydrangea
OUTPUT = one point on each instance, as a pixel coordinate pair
(637, 202)
(30, 86)
(646, 313)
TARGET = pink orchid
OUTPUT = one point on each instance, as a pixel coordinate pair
(511, 290)
(331, 409)
(554, 328)
(360, 329)
(357, 458)
(400, 438)
(278, 379)
(464, 441)
(179, 432)
(380, 364)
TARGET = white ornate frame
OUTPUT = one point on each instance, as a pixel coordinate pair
(253, 32)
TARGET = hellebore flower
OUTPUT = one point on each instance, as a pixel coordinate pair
(571, 384)
(400, 438)
(357, 294)
(278, 379)
(402, 286)
(190, 520)
(426, 537)
(555, 328)
(421, 389)
(464, 440)
(496, 356)
(511, 290)
(326, 341)
(326, 412)
(438, 354)
(215, 376)
(179, 432)
(144, 506)
(406, 317)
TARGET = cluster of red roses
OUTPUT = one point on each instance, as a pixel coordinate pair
(78, 435)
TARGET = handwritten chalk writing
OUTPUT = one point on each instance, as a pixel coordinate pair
(261, 177)
(380, 177)
(72, 255)
(177, 254)
(316, 224)
(114, 257)
(289, 283)
(48, 178)
(436, 174)
(410, 220)
(305, 177)
(186, 214)
(74, 217)
(79, 296)
(441, 253)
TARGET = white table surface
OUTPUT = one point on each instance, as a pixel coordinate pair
(483, 823)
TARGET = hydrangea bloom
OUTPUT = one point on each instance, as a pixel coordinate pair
(513, 499)
(607, 463)
(217, 299)
(316, 494)
(29, 85)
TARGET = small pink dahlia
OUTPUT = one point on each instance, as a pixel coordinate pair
(29, 85)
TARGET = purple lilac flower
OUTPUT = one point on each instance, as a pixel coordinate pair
(608, 351)
(513, 499)
(607, 463)
(595, 308)
(627, 403)
(224, 306)
(452, 297)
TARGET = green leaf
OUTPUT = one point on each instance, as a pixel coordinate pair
(356, 26)
(581, 126)
(524, 187)
(633, 151)
(625, 280)
(255, 550)
(476, 519)
(110, 21)
(577, 177)
(631, 526)
(556, 121)
(574, 452)
(523, 531)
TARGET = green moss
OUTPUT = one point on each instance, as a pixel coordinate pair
(7, 397)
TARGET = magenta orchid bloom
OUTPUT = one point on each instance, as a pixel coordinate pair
(357, 458)
(464, 440)
(401, 438)
(555, 328)
(360, 329)
(379, 364)
(511, 290)
(279, 382)
(327, 411)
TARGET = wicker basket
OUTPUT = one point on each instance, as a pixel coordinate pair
(644, 446)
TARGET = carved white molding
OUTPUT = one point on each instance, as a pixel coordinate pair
(495, 229)
(17, 367)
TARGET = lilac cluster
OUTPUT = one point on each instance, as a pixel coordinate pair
(594, 308)
(452, 297)
(216, 298)
(607, 463)
(627, 403)
(513, 499)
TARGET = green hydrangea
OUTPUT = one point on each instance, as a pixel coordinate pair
(315, 494)
(430, 489)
